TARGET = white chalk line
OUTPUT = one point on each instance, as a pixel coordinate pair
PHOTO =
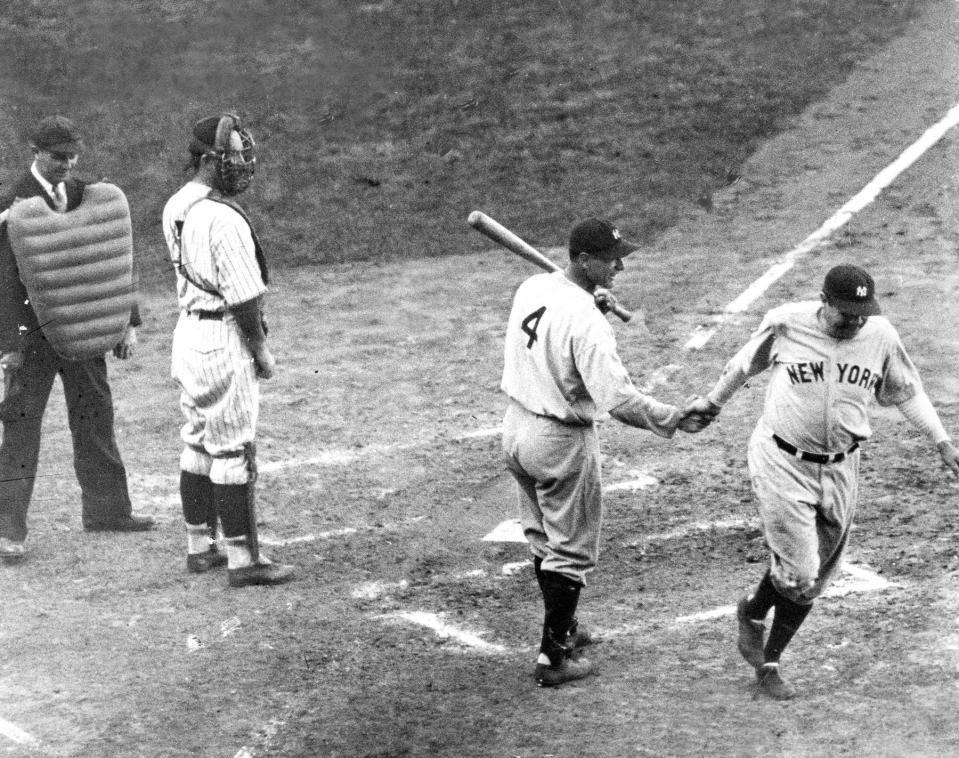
(444, 630)
(15, 734)
(333, 533)
(860, 200)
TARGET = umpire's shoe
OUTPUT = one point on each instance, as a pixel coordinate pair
(567, 670)
(260, 573)
(132, 523)
(751, 633)
(771, 683)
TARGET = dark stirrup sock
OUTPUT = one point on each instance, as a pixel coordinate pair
(764, 598)
(787, 619)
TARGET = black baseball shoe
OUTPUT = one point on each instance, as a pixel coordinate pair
(263, 573)
(567, 670)
(200, 563)
(132, 523)
(772, 684)
(751, 637)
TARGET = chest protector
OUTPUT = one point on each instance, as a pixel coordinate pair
(77, 268)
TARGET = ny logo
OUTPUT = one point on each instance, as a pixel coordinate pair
(862, 291)
(616, 234)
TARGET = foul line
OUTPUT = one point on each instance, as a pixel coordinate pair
(16, 734)
(864, 197)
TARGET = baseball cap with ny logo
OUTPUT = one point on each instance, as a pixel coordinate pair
(851, 290)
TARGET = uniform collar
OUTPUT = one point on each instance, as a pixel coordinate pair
(43, 182)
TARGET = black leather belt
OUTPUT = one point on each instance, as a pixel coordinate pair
(812, 457)
(207, 315)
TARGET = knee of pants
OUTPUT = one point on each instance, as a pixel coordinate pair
(232, 470)
(195, 461)
(792, 584)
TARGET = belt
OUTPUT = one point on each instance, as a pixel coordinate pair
(812, 457)
(207, 315)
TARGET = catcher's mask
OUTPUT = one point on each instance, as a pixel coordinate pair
(234, 152)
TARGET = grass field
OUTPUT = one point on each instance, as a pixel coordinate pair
(382, 124)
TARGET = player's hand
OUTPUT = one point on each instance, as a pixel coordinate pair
(950, 456)
(692, 423)
(604, 299)
(126, 347)
(702, 406)
(697, 414)
(265, 362)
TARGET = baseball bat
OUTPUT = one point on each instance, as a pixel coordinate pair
(500, 234)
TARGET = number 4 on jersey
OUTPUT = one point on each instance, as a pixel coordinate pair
(531, 323)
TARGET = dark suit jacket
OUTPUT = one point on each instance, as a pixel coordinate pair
(15, 309)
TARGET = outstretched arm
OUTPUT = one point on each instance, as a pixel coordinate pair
(920, 411)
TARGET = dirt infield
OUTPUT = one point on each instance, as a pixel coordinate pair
(406, 634)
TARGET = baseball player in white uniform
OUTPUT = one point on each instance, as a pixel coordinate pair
(219, 352)
(561, 375)
(830, 360)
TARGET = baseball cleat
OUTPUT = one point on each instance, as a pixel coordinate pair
(773, 684)
(260, 574)
(200, 563)
(751, 637)
(567, 670)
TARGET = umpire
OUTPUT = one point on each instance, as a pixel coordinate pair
(30, 365)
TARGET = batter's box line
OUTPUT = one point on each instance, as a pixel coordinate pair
(334, 533)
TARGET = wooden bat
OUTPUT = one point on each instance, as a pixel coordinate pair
(499, 233)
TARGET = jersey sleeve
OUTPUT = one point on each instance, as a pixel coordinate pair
(234, 257)
(598, 362)
(900, 378)
(752, 358)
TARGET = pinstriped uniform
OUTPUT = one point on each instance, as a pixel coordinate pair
(212, 248)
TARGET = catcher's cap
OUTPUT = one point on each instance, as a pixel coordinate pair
(599, 238)
(57, 134)
(851, 290)
(204, 135)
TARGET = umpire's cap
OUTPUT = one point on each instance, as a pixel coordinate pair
(851, 290)
(599, 238)
(58, 134)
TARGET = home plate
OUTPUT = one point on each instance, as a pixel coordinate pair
(507, 531)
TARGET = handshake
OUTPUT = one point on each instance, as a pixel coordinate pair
(698, 413)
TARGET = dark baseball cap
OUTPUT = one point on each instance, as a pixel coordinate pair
(58, 134)
(204, 135)
(851, 290)
(600, 238)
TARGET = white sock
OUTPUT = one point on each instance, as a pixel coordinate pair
(543, 660)
(238, 553)
(197, 538)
